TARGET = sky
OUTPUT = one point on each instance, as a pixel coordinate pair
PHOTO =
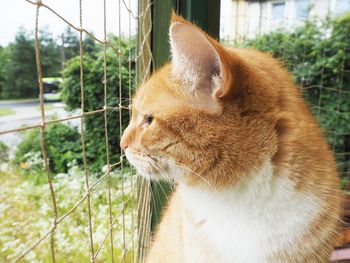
(19, 13)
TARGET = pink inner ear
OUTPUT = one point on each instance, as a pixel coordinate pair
(194, 59)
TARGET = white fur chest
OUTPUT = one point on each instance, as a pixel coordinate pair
(248, 223)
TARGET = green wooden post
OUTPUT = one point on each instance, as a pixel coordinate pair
(204, 13)
(161, 11)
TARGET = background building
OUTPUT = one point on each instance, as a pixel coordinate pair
(247, 18)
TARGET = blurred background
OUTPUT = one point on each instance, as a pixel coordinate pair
(83, 189)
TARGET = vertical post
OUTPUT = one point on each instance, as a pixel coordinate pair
(161, 11)
(204, 13)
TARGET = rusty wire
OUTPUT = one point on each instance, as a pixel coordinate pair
(42, 133)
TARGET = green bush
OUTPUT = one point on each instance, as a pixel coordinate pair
(4, 153)
(318, 55)
(62, 144)
(94, 99)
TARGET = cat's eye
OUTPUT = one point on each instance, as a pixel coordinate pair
(149, 119)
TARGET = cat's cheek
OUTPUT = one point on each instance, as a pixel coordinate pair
(152, 138)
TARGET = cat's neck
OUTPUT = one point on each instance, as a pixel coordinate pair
(264, 206)
(256, 192)
(255, 186)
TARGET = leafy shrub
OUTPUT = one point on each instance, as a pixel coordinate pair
(94, 99)
(62, 144)
(4, 152)
(318, 55)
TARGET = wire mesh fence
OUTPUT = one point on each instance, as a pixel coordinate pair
(311, 40)
(107, 214)
(118, 230)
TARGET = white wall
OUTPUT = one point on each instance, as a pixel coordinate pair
(243, 19)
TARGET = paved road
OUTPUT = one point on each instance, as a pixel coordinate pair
(27, 114)
(18, 104)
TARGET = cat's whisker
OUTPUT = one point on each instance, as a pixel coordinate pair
(186, 168)
(154, 201)
(171, 181)
(161, 187)
(163, 173)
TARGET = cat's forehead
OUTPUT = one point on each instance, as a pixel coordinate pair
(158, 94)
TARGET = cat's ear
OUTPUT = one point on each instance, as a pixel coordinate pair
(198, 59)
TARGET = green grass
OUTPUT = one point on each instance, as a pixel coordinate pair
(6, 112)
(47, 107)
(10, 101)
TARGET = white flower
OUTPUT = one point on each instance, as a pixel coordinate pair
(34, 158)
(31, 211)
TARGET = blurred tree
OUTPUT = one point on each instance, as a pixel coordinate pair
(90, 47)
(70, 45)
(18, 72)
(21, 79)
(50, 54)
(70, 42)
(4, 62)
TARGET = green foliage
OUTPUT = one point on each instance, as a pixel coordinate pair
(71, 43)
(18, 72)
(94, 99)
(90, 46)
(50, 55)
(62, 144)
(318, 55)
(20, 75)
(6, 112)
(4, 62)
(4, 153)
(70, 40)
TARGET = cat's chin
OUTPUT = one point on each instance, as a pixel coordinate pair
(150, 176)
(154, 174)
(154, 168)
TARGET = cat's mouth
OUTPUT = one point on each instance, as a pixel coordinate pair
(147, 165)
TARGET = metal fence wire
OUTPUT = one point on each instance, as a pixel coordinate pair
(137, 189)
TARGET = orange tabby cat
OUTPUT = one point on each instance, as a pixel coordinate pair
(256, 181)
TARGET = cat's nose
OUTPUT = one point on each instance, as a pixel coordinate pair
(123, 144)
(127, 138)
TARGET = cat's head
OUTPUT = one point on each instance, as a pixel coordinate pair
(196, 120)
